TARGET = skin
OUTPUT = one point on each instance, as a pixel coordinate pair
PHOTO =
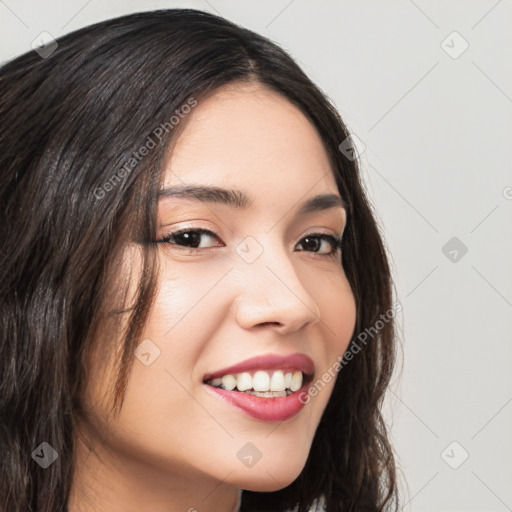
(174, 446)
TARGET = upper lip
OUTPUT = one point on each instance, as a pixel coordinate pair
(292, 362)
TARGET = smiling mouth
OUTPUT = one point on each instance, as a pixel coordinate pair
(262, 383)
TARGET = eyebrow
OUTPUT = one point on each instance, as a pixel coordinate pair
(241, 201)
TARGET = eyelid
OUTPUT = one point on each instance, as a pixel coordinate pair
(194, 226)
(212, 231)
(335, 240)
(197, 229)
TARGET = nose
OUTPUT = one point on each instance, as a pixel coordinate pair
(271, 292)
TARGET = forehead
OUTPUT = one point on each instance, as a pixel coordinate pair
(250, 137)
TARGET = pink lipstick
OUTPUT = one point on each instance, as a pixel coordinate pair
(268, 387)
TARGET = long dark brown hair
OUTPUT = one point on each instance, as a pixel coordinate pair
(69, 122)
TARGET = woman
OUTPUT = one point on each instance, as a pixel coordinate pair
(189, 272)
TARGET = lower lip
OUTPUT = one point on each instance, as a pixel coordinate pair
(265, 409)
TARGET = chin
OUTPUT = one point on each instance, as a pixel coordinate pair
(268, 480)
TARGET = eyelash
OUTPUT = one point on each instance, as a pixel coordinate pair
(335, 241)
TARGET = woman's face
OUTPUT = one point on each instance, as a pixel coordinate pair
(258, 287)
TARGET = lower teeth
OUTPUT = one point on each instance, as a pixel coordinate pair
(267, 394)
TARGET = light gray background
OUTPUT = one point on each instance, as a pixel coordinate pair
(437, 130)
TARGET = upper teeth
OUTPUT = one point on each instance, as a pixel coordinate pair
(261, 381)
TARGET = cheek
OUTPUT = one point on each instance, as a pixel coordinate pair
(184, 315)
(339, 312)
(182, 292)
(339, 315)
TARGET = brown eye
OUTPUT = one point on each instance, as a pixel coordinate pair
(189, 237)
(313, 243)
(192, 238)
